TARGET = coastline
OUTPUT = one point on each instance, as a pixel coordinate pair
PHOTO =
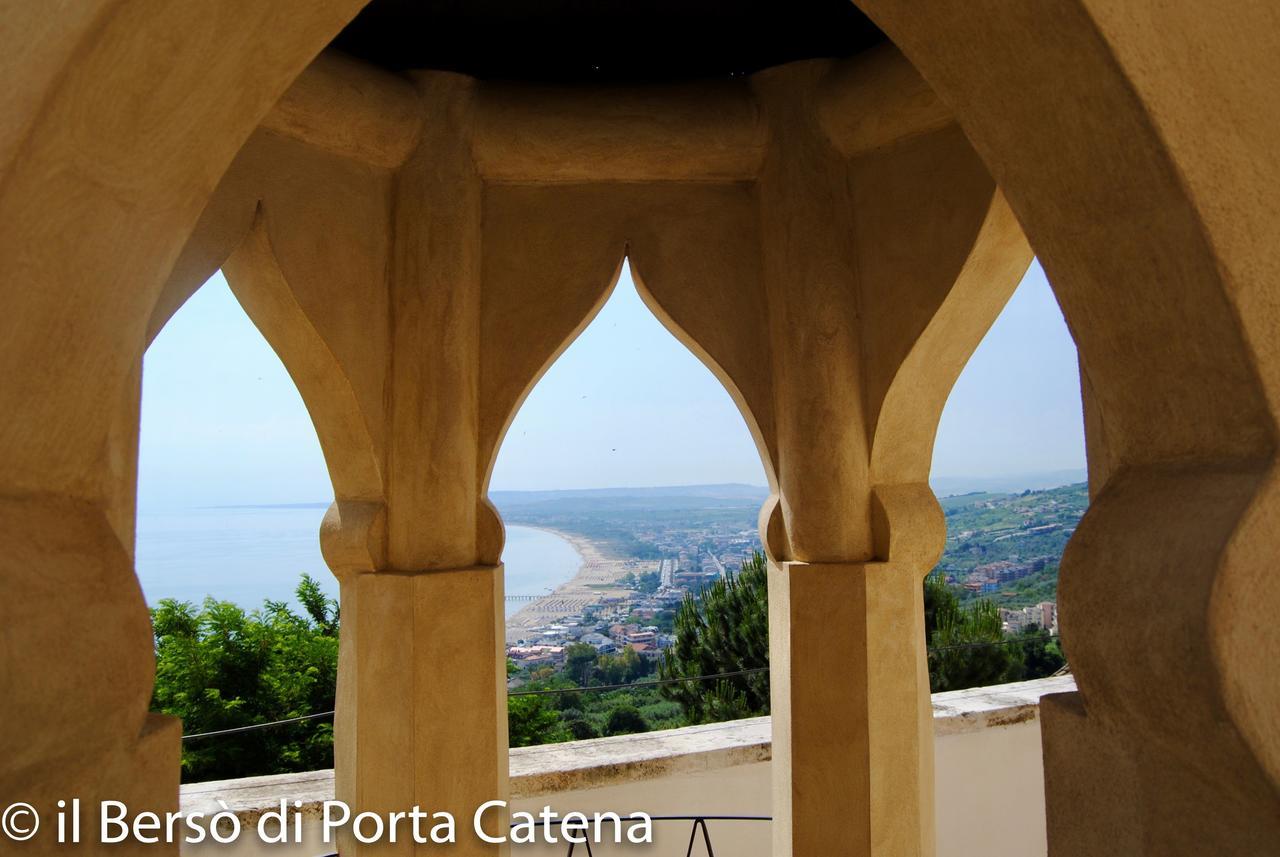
(595, 580)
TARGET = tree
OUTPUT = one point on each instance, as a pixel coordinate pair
(648, 582)
(324, 611)
(626, 666)
(966, 644)
(577, 724)
(218, 667)
(533, 720)
(725, 629)
(625, 720)
(579, 661)
(1040, 657)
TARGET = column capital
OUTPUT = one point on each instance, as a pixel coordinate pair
(353, 537)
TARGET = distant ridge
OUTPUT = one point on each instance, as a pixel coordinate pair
(323, 505)
(947, 486)
(731, 493)
(725, 491)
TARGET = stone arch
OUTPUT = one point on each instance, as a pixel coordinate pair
(563, 243)
(688, 275)
(573, 297)
(100, 271)
(1138, 210)
(902, 445)
(533, 243)
(123, 118)
(580, 292)
(263, 290)
(249, 213)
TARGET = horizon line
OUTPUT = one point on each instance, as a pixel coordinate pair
(317, 504)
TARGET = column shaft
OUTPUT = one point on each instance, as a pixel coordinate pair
(423, 698)
(845, 652)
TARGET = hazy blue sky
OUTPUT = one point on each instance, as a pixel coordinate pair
(625, 405)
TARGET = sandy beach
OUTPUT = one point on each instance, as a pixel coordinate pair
(596, 580)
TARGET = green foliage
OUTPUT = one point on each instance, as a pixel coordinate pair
(724, 629)
(646, 582)
(218, 667)
(534, 720)
(625, 667)
(984, 528)
(625, 720)
(663, 620)
(1039, 657)
(577, 723)
(638, 548)
(965, 643)
(968, 648)
(580, 661)
(322, 609)
(574, 714)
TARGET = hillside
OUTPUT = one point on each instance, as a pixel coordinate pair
(1007, 547)
(1002, 546)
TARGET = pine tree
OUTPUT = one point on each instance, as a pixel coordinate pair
(966, 645)
(724, 629)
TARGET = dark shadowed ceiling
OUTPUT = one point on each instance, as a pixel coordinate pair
(619, 41)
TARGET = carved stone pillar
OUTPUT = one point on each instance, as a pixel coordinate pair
(1157, 232)
(834, 275)
(117, 127)
(839, 302)
(860, 259)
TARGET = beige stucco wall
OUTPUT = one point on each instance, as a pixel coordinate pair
(989, 782)
(989, 786)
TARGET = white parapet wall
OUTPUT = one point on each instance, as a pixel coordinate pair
(989, 783)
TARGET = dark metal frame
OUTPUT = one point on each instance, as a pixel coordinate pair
(699, 822)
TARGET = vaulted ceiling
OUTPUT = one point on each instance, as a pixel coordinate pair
(608, 41)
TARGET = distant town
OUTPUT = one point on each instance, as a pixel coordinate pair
(646, 550)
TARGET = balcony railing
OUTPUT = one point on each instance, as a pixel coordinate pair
(988, 775)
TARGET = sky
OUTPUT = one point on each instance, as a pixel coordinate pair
(625, 405)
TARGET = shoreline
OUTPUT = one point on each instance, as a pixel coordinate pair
(595, 580)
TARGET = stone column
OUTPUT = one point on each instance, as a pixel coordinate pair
(423, 698)
(1157, 231)
(423, 678)
(838, 301)
(847, 750)
(831, 608)
(859, 252)
(117, 126)
(379, 325)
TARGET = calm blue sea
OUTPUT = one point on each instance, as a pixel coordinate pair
(250, 554)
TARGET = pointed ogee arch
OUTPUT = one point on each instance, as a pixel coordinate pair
(1150, 225)
(263, 289)
(907, 423)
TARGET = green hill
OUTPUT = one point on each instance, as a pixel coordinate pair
(1019, 537)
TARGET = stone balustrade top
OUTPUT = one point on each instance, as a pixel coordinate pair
(599, 762)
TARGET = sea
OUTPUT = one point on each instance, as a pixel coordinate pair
(249, 554)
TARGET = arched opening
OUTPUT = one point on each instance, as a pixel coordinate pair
(1009, 471)
(232, 486)
(628, 480)
(1117, 190)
